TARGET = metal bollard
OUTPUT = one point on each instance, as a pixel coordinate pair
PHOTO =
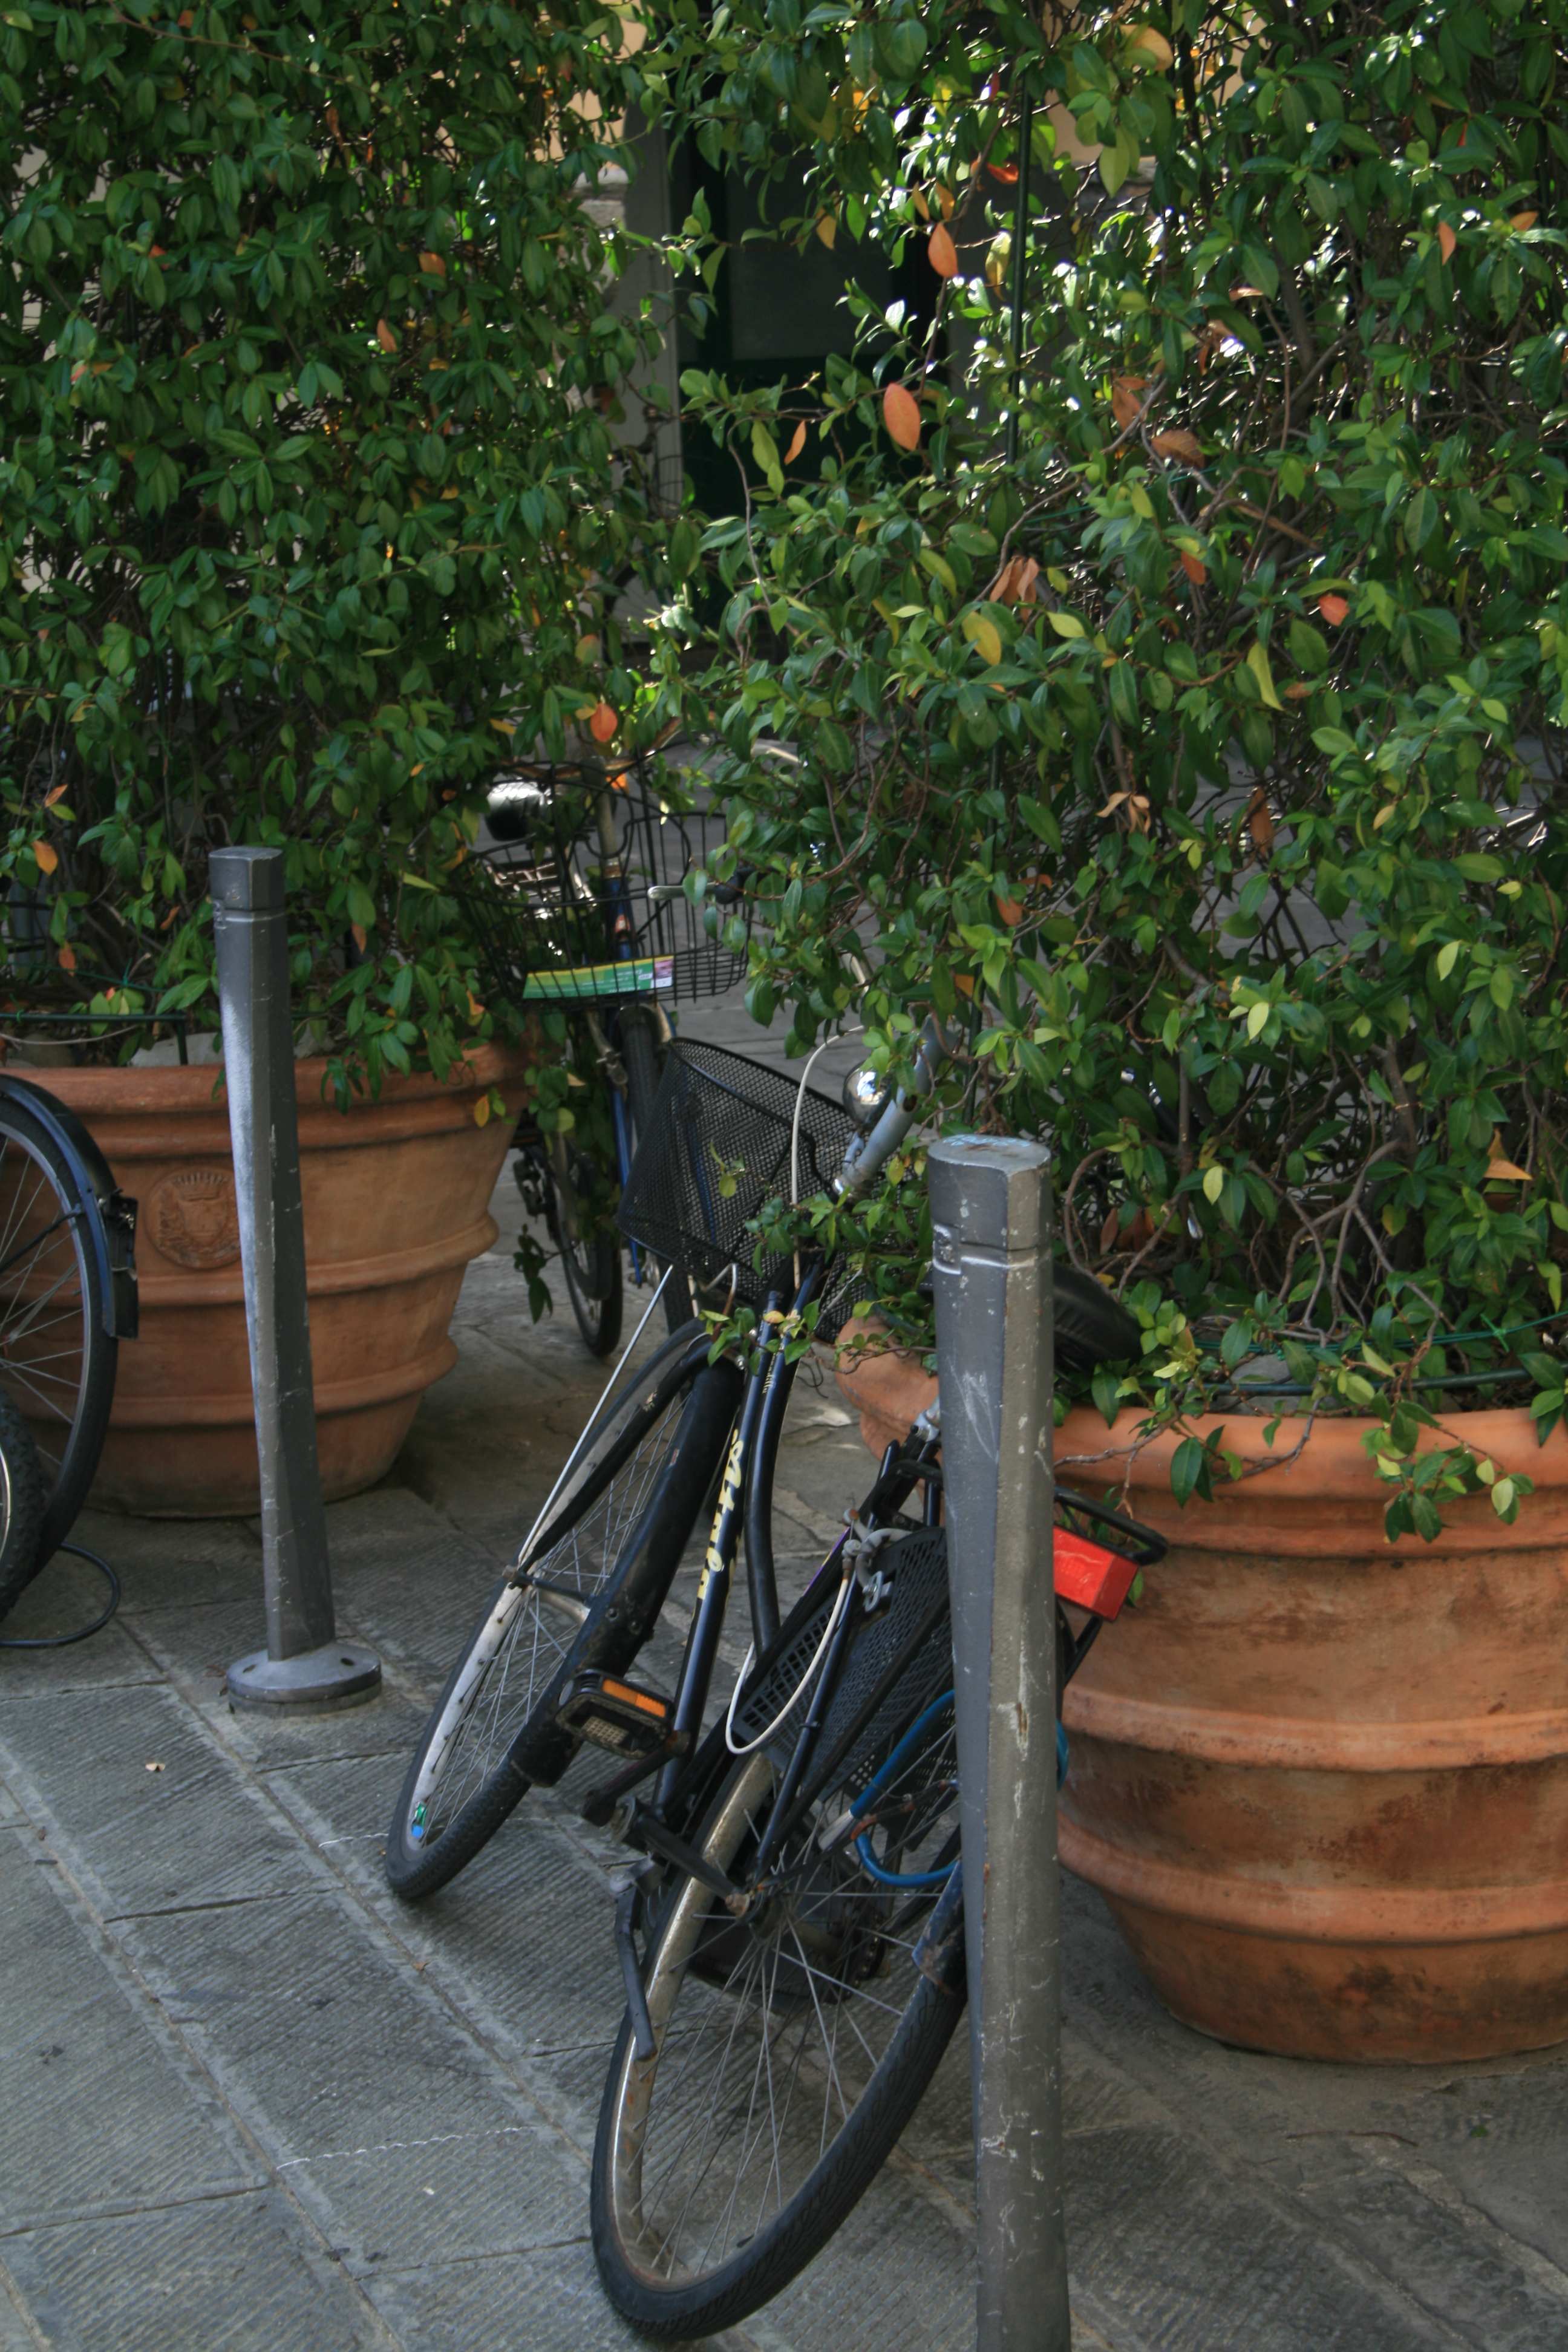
(303, 1664)
(991, 1210)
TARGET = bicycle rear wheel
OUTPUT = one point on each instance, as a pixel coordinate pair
(639, 1052)
(57, 1357)
(586, 1593)
(792, 2042)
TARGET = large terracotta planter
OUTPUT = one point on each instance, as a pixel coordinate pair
(1322, 1781)
(396, 1195)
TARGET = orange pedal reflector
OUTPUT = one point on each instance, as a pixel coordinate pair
(1089, 1576)
(612, 1714)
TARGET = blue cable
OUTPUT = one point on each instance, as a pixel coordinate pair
(879, 1779)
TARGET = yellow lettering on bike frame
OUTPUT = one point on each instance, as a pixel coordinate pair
(729, 1495)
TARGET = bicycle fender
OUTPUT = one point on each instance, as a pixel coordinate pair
(113, 1228)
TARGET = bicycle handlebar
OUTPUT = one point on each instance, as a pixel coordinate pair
(869, 1154)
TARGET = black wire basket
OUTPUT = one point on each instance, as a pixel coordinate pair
(727, 1136)
(580, 895)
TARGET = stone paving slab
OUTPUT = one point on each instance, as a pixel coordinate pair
(72, 2045)
(223, 2275)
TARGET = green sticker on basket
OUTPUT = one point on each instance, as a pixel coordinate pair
(640, 976)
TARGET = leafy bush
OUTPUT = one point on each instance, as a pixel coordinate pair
(1204, 760)
(308, 492)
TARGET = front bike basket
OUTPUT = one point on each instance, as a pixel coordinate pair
(727, 1136)
(581, 898)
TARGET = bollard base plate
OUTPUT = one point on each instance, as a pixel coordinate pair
(340, 1673)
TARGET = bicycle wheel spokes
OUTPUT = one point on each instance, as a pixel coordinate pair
(772, 2028)
(45, 1310)
(532, 1625)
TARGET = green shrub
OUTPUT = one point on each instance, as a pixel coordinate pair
(308, 367)
(1204, 759)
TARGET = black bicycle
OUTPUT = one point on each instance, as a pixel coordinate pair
(67, 1297)
(579, 907)
(791, 1937)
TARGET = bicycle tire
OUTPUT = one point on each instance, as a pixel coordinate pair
(591, 1270)
(58, 1367)
(617, 1536)
(641, 1057)
(24, 1500)
(664, 2287)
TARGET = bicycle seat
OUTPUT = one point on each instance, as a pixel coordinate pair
(518, 809)
(1091, 1328)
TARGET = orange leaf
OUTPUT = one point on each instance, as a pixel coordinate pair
(384, 336)
(1007, 172)
(942, 253)
(603, 722)
(476, 1010)
(1333, 609)
(1125, 404)
(66, 959)
(944, 201)
(1178, 442)
(797, 444)
(1297, 691)
(360, 935)
(1524, 220)
(432, 265)
(902, 416)
(919, 204)
(1447, 240)
(47, 857)
(1015, 583)
(1260, 823)
(1196, 571)
(1505, 1172)
(56, 792)
(1010, 911)
(827, 229)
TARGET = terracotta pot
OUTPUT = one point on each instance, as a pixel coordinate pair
(397, 1202)
(1322, 1781)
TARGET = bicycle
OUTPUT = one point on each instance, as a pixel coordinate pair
(821, 1809)
(579, 907)
(67, 1297)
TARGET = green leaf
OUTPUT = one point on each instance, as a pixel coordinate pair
(1066, 624)
(1258, 663)
(1214, 1183)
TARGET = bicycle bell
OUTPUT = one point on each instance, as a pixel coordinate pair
(866, 1096)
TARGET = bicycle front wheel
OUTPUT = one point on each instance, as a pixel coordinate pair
(792, 2042)
(586, 1593)
(57, 1357)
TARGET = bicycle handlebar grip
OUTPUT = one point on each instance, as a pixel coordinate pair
(869, 1153)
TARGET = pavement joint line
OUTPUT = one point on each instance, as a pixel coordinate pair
(120, 2209)
(184, 1910)
(16, 2302)
(392, 2146)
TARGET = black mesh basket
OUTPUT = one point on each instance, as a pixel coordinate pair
(580, 897)
(716, 1149)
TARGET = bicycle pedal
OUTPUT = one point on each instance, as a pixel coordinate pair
(609, 1713)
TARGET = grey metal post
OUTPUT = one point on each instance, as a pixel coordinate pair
(991, 1210)
(303, 1664)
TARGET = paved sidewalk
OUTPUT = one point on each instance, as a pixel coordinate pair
(253, 2103)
